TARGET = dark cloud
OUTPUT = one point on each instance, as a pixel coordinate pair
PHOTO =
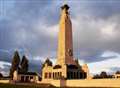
(4, 68)
(104, 8)
(35, 67)
(93, 37)
(5, 56)
(114, 69)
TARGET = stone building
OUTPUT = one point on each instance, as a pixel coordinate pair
(116, 75)
(66, 66)
(25, 77)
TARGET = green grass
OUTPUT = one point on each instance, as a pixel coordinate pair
(26, 86)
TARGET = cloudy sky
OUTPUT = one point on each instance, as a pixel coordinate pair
(31, 27)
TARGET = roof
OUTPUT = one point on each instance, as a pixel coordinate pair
(71, 66)
(48, 62)
(57, 67)
(28, 73)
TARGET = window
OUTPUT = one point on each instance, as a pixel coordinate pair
(46, 75)
(49, 75)
(22, 78)
(71, 73)
(77, 75)
(60, 74)
(85, 75)
(53, 75)
(74, 76)
(81, 75)
(31, 77)
(27, 79)
(68, 75)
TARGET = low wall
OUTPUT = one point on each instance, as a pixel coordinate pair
(53, 82)
(84, 83)
(4, 81)
(87, 83)
(94, 83)
(56, 83)
(81, 83)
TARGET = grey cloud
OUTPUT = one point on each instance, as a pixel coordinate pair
(5, 68)
(94, 37)
(5, 56)
(114, 69)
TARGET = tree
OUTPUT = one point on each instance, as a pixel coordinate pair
(1, 75)
(15, 63)
(24, 65)
(117, 72)
(103, 74)
(97, 76)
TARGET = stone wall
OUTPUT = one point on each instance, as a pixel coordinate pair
(82, 83)
(4, 81)
(94, 83)
(56, 83)
(87, 83)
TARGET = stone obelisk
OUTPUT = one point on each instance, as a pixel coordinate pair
(65, 41)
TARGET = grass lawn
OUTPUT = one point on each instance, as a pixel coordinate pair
(26, 86)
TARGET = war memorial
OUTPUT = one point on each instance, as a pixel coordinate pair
(67, 71)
